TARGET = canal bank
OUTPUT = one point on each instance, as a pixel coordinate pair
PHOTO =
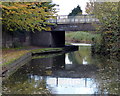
(15, 63)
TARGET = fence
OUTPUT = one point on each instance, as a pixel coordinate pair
(65, 19)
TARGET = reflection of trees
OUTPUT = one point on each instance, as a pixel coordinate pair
(59, 62)
(30, 86)
(77, 57)
(108, 75)
(72, 58)
(22, 83)
(85, 53)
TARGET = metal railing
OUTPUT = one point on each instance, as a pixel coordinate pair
(65, 19)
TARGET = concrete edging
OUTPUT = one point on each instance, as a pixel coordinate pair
(8, 70)
(47, 52)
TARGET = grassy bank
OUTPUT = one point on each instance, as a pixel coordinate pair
(9, 55)
(81, 37)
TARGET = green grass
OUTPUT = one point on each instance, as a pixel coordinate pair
(45, 49)
(45, 56)
(66, 43)
(80, 36)
(8, 58)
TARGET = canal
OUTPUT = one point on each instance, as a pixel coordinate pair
(77, 72)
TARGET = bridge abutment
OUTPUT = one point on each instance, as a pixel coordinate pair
(48, 39)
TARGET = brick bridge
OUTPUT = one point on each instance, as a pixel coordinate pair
(74, 23)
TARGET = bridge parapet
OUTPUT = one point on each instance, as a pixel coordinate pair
(65, 19)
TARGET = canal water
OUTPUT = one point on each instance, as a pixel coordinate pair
(77, 72)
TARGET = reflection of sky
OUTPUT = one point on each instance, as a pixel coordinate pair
(71, 85)
(37, 80)
(84, 61)
(67, 60)
(67, 85)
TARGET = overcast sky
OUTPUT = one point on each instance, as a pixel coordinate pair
(65, 6)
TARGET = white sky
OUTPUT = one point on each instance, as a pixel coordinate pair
(65, 6)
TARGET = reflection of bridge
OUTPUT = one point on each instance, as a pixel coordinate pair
(81, 71)
(74, 23)
(56, 67)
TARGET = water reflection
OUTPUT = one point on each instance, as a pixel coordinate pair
(77, 85)
(67, 60)
(83, 56)
(71, 73)
(85, 61)
(65, 85)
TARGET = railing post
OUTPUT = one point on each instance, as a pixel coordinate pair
(84, 19)
(56, 20)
